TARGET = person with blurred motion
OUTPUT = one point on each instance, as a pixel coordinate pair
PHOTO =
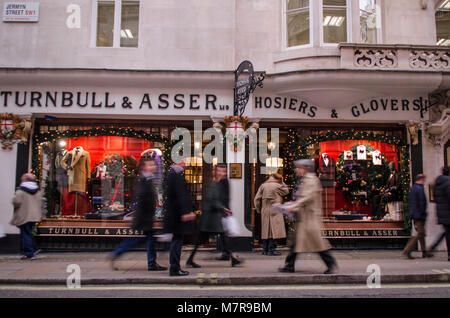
(417, 205)
(272, 221)
(308, 207)
(143, 217)
(27, 204)
(178, 215)
(214, 208)
(442, 199)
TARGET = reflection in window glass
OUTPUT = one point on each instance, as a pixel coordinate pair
(130, 24)
(334, 21)
(297, 22)
(368, 21)
(443, 24)
(105, 23)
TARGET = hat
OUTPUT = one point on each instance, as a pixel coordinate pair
(304, 163)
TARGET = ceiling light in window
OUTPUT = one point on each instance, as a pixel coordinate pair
(440, 42)
(339, 21)
(445, 5)
(123, 34)
(128, 32)
(327, 20)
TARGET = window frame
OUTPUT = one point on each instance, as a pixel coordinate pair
(117, 24)
(349, 24)
(285, 46)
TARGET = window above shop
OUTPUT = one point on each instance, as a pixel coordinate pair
(326, 23)
(115, 23)
(443, 23)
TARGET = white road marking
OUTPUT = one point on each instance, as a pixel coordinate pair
(240, 288)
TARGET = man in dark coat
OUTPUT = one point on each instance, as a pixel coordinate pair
(144, 215)
(417, 204)
(214, 208)
(178, 215)
(442, 199)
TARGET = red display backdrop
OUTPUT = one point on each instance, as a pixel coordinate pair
(101, 147)
(335, 147)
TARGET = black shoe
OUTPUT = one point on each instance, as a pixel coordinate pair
(235, 262)
(286, 269)
(223, 258)
(179, 273)
(192, 264)
(331, 270)
(408, 255)
(427, 255)
(156, 268)
(274, 253)
(264, 253)
(112, 261)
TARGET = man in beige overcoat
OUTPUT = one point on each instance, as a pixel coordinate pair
(27, 204)
(272, 221)
(308, 207)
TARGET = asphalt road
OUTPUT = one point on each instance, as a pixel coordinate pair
(231, 292)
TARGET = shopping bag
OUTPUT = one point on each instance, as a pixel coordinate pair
(230, 225)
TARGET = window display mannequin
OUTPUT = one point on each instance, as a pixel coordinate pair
(390, 194)
(61, 177)
(326, 169)
(77, 162)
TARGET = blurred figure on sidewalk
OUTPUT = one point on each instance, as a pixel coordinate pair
(417, 205)
(144, 215)
(442, 199)
(308, 207)
(272, 221)
(178, 215)
(27, 204)
(215, 206)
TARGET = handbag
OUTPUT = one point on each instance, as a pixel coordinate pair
(230, 225)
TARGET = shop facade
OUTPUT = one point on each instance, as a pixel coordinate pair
(372, 114)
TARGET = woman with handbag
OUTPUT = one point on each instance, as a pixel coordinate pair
(214, 209)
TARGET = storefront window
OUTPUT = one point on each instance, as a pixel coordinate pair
(334, 21)
(369, 24)
(94, 177)
(298, 22)
(443, 24)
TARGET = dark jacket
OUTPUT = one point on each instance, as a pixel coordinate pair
(224, 192)
(212, 209)
(146, 205)
(178, 202)
(417, 202)
(442, 199)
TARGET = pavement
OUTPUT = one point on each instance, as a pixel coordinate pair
(354, 267)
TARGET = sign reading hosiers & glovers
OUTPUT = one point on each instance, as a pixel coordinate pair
(21, 12)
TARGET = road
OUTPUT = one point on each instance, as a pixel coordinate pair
(233, 292)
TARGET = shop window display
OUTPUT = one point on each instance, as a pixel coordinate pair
(93, 177)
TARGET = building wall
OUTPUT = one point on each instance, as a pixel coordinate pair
(196, 35)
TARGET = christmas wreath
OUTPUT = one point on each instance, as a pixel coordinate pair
(117, 166)
(360, 180)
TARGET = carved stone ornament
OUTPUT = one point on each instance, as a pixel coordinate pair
(414, 133)
(437, 60)
(375, 58)
(235, 131)
(13, 129)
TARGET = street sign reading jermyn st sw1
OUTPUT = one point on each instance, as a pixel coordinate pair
(244, 87)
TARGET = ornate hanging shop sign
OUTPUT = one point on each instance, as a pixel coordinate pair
(13, 129)
(244, 86)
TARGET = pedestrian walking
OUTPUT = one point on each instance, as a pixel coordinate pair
(442, 199)
(178, 215)
(215, 206)
(308, 207)
(143, 217)
(272, 221)
(27, 204)
(417, 205)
